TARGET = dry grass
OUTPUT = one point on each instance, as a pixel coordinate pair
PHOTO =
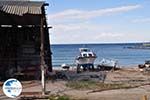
(63, 97)
(88, 85)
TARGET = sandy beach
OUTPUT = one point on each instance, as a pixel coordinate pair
(131, 76)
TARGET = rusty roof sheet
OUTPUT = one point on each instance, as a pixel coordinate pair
(20, 7)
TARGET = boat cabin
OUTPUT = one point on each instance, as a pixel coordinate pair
(86, 52)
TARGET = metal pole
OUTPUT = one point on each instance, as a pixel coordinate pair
(42, 59)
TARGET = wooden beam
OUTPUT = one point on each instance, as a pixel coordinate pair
(42, 57)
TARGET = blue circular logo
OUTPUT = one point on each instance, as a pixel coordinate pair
(12, 88)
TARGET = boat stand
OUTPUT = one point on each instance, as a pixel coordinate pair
(85, 67)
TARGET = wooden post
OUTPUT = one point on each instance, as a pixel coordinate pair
(144, 97)
(42, 58)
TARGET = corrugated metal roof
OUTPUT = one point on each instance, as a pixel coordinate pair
(20, 7)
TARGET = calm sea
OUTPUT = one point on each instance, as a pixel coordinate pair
(126, 57)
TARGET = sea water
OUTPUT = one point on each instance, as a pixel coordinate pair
(66, 53)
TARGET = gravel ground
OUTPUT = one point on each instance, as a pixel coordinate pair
(130, 76)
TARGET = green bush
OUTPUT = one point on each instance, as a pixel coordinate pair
(63, 98)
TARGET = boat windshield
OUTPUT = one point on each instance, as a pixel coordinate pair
(147, 62)
(85, 54)
(85, 50)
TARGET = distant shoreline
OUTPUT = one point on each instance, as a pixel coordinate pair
(100, 43)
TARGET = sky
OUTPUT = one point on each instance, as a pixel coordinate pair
(98, 21)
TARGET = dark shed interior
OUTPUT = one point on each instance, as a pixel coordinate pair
(20, 38)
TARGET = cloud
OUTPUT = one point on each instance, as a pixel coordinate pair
(82, 14)
(76, 26)
(84, 26)
(144, 20)
(37, 0)
(87, 37)
(83, 33)
(109, 34)
(97, 37)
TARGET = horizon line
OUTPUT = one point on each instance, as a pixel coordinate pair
(99, 43)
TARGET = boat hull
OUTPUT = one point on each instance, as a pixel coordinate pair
(102, 67)
(85, 60)
(107, 64)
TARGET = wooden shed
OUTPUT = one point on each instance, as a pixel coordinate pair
(24, 38)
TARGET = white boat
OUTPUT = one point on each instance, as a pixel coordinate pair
(86, 57)
(107, 64)
(65, 66)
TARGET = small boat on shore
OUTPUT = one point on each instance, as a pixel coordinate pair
(107, 64)
(65, 66)
(85, 59)
(145, 66)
